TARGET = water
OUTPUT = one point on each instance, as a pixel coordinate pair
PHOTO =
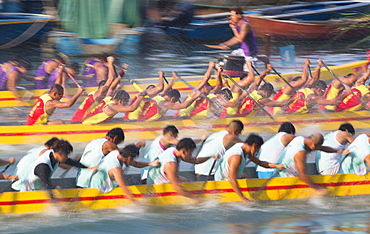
(159, 52)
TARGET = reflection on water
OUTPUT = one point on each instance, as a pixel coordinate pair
(345, 215)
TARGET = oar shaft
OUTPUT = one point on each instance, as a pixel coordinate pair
(6, 168)
(281, 77)
(259, 105)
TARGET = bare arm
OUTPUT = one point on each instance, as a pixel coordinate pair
(67, 104)
(234, 162)
(117, 174)
(185, 104)
(207, 76)
(300, 162)
(171, 171)
(132, 107)
(12, 84)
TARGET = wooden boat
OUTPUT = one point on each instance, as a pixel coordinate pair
(327, 29)
(17, 28)
(326, 17)
(73, 200)
(8, 100)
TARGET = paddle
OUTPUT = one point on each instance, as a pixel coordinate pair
(7, 166)
(132, 82)
(281, 77)
(209, 174)
(217, 105)
(345, 85)
(259, 105)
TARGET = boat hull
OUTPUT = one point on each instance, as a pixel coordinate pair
(134, 131)
(277, 28)
(30, 27)
(7, 99)
(73, 200)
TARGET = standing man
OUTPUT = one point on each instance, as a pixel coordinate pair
(217, 143)
(232, 164)
(169, 160)
(243, 35)
(294, 158)
(47, 103)
(329, 163)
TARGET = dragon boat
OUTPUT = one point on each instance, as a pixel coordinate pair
(74, 200)
(7, 99)
(14, 131)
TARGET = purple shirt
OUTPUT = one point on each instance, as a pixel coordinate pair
(249, 45)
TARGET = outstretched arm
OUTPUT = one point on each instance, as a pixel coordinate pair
(117, 174)
(234, 161)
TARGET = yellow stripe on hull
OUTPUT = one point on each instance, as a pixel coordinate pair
(188, 128)
(158, 195)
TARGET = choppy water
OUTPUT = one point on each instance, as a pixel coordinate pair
(327, 215)
(159, 52)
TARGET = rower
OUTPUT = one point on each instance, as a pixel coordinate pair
(46, 164)
(294, 158)
(47, 103)
(159, 105)
(46, 68)
(289, 89)
(111, 170)
(272, 148)
(158, 146)
(306, 98)
(357, 160)
(24, 168)
(329, 163)
(217, 143)
(134, 115)
(205, 88)
(96, 69)
(94, 98)
(354, 99)
(232, 164)
(169, 160)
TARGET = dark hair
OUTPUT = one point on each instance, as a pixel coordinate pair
(297, 78)
(150, 86)
(102, 83)
(348, 128)
(287, 127)
(173, 93)
(267, 87)
(319, 84)
(186, 143)
(238, 10)
(254, 139)
(237, 125)
(51, 141)
(130, 151)
(24, 63)
(62, 58)
(103, 57)
(62, 145)
(75, 66)
(56, 87)
(121, 95)
(116, 132)
(227, 93)
(170, 128)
